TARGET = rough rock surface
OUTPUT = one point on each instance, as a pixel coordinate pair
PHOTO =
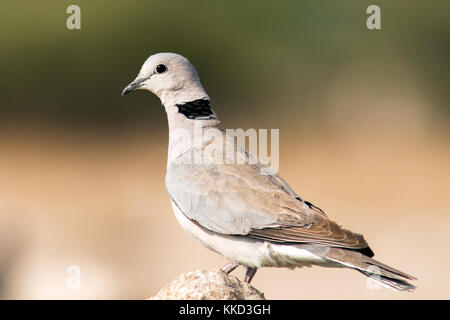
(208, 285)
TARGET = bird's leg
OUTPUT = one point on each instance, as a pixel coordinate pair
(249, 274)
(229, 267)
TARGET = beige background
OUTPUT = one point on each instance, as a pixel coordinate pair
(364, 134)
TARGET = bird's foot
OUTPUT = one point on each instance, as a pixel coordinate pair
(229, 267)
(249, 274)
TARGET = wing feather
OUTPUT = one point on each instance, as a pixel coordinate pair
(239, 200)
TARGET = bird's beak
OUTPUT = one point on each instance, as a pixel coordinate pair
(133, 86)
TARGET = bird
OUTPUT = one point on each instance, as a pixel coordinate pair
(243, 210)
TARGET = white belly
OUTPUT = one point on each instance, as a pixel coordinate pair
(247, 251)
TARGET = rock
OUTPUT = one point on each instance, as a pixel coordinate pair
(208, 285)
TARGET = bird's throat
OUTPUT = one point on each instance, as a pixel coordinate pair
(196, 110)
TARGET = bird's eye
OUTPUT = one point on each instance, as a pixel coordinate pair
(160, 68)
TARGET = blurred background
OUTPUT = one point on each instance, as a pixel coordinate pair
(364, 133)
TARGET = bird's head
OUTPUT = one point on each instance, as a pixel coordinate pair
(169, 76)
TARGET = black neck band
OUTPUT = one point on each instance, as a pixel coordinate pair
(196, 110)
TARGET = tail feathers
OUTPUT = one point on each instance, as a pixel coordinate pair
(392, 283)
(379, 272)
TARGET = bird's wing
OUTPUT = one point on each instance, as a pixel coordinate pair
(237, 199)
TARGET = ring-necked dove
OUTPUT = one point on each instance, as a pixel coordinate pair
(248, 215)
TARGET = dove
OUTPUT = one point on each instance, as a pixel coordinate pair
(232, 202)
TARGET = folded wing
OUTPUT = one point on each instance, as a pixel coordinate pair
(239, 200)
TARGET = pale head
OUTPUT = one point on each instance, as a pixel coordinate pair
(169, 76)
